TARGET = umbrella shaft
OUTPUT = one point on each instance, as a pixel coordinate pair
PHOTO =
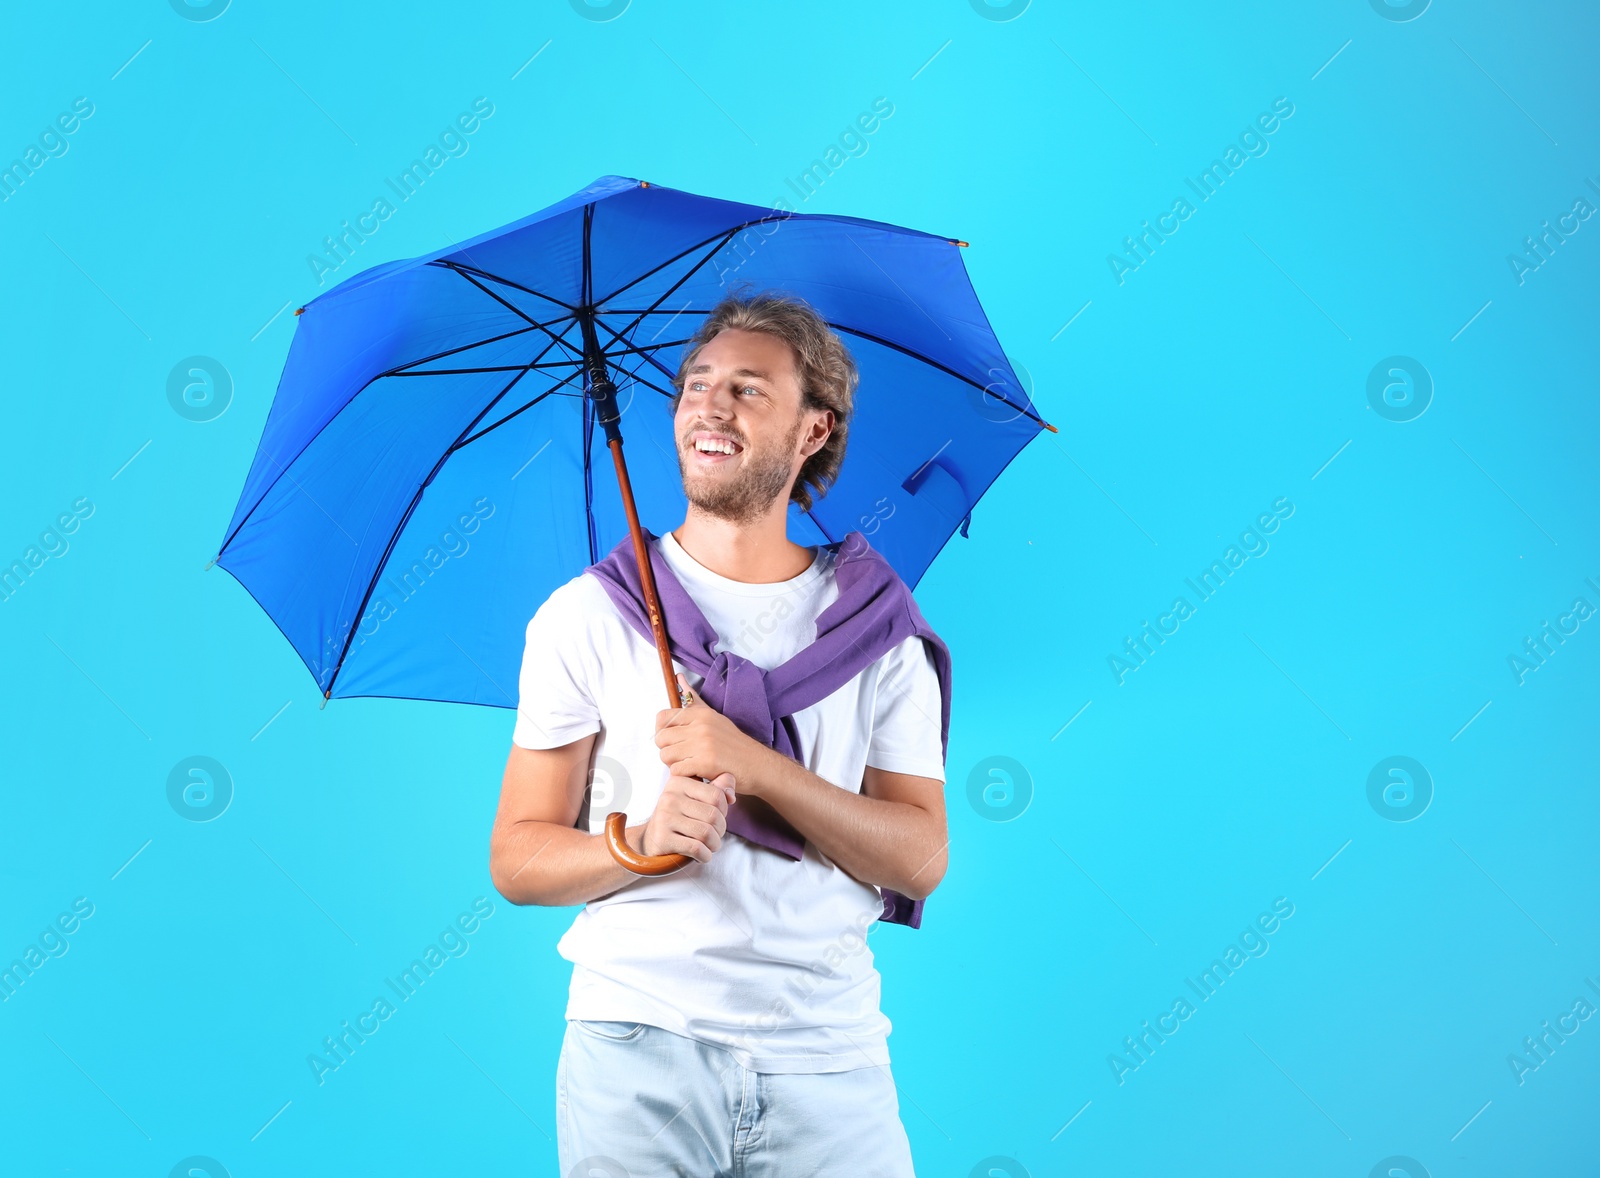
(620, 851)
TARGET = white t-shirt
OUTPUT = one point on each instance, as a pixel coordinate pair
(761, 954)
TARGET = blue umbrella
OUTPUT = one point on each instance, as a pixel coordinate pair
(426, 475)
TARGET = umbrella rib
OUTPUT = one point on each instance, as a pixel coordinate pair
(507, 303)
(635, 376)
(512, 306)
(650, 311)
(643, 353)
(532, 364)
(776, 216)
(987, 390)
(452, 351)
(489, 428)
(283, 468)
(638, 348)
(460, 269)
(629, 346)
(643, 348)
(503, 301)
(684, 277)
(727, 235)
(489, 368)
(405, 518)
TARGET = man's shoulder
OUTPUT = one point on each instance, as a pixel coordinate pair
(578, 605)
(918, 652)
(871, 565)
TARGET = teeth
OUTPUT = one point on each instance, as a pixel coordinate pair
(711, 446)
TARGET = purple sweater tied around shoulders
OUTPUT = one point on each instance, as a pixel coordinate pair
(874, 613)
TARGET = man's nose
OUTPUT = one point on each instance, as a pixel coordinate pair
(720, 401)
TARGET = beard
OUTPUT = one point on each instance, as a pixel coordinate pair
(745, 494)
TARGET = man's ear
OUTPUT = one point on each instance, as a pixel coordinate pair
(819, 433)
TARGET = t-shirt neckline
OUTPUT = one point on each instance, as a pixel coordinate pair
(687, 567)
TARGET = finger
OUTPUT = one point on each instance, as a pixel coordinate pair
(684, 845)
(683, 686)
(671, 729)
(700, 837)
(672, 842)
(709, 792)
(670, 738)
(700, 823)
(725, 781)
(698, 811)
(699, 797)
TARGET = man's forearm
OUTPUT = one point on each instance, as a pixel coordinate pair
(890, 844)
(545, 863)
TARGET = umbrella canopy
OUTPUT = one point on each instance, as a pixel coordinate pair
(428, 470)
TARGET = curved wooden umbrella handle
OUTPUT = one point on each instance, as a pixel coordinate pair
(634, 861)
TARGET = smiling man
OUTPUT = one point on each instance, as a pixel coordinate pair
(724, 1019)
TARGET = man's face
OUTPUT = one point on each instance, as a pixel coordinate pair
(743, 392)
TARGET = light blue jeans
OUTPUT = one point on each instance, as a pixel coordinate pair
(639, 1101)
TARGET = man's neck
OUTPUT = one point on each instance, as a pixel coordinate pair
(759, 553)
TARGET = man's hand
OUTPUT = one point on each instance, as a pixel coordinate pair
(690, 817)
(699, 741)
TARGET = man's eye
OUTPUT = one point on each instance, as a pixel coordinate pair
(698, 385)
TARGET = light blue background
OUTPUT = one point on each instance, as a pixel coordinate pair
(1231, 769)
